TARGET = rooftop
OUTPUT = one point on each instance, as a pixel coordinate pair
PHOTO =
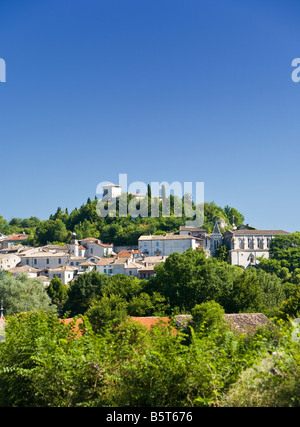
(258, 232)
(167, 237)
(246, 322)
(23, 269)
(44, 254)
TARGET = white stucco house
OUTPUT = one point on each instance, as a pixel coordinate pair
(8, 261)
(115, 265)
(153, 245)
(30, 271)
(89, 247)
(45, 260)
(66, 274)
(112, 191)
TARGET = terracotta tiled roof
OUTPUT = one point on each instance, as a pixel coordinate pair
(246, 322)
(127, 253)
(77, 324)
(17, 237)
(149, 322)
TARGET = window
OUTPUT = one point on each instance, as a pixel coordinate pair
(77, 263)
(27, 261)
(59, 260)
(110, 270)
(47, 261)
(71, 263)
(157, 243)
(35, 261)
(105, 270)
(92, 250)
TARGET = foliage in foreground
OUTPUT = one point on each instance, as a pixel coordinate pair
(44, 362)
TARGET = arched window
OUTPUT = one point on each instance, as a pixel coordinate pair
(241, 243)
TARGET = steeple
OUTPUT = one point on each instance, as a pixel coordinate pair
(216, 229)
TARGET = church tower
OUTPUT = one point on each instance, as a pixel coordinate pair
(74, 245)
(216, 239)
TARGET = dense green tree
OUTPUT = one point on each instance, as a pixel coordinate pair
(58, 292)
(24, 294)
(107, 312)
(84, 290)
(209, 317)
(256, 291)
(50, 231)
(191, 278)
(234, 216)
(45, 364)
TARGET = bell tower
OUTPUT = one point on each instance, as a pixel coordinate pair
(74, 245)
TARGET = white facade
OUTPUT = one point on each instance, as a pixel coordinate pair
(65, 274)
(31, 272)
(97, 249)
(166, 245)
(112, 266)
(246, 246)
(75, 261)
(112, 191)
(8, 261)
(45, 260)
(89, 247)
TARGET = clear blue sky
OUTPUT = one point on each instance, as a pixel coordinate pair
(163, 90)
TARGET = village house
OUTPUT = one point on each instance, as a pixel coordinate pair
(152, 261)
(146, 272)
(130, 253)
(89, 247)
(115, 265)
(192, 231)
(86, 267)
(45, 259)
(9, 241)
(75, 261)
(30, 271)
(112, 191)
(246, 246)
(66, 274)
(8, 261)
(157, 245)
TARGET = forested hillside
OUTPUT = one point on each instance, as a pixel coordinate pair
(86, 222)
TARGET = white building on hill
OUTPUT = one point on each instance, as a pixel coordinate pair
(165, 245)
(246, 246)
